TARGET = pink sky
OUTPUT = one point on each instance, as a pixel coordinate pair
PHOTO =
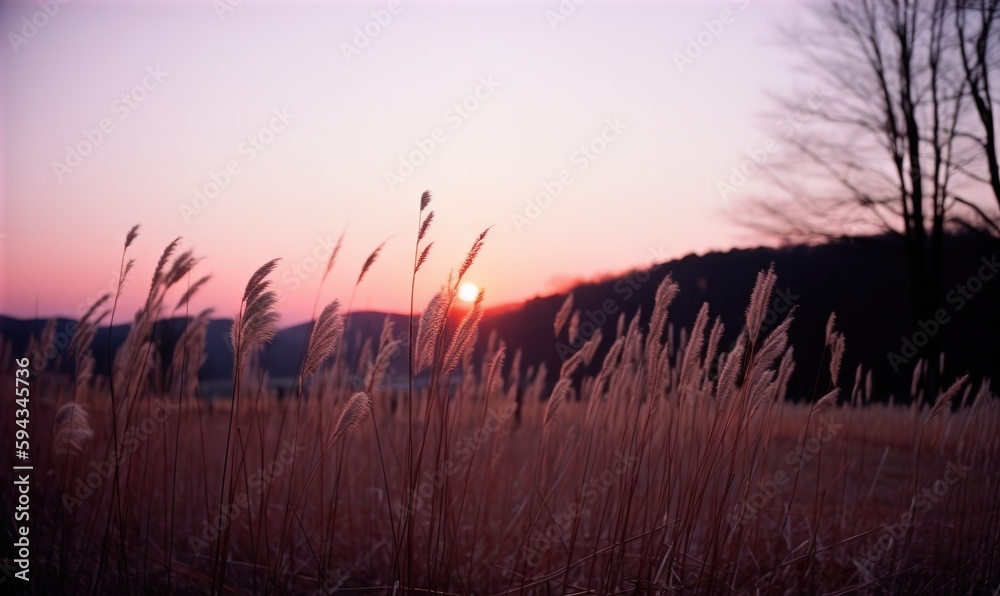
(490, 103)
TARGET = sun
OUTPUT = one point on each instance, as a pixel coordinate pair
(468, 291)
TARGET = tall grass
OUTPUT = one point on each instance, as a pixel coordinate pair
(638, 469)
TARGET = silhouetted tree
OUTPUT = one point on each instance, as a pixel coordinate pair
(902, 137)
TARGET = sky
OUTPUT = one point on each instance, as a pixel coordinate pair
(591, 135)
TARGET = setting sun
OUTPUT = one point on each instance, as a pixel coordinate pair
(468, 291)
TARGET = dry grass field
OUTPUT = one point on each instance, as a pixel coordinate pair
(640, 470)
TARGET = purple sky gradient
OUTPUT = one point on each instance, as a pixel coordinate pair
(543, 92)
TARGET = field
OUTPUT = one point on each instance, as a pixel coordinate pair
(657, 466)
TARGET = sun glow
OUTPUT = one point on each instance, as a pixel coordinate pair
(468, 291)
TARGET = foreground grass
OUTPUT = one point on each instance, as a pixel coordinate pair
(661, 466)
(598, 504)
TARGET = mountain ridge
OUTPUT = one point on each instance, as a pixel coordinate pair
(815, 280)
